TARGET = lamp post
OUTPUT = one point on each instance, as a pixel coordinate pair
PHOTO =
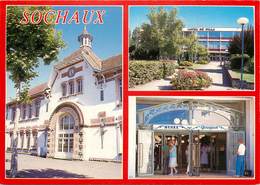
(242, 21)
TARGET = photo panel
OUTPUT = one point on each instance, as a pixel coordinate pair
(185, 47)
(186, 137)
(64, 92)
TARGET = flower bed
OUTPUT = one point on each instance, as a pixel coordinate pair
(141, 72)
(190, 80)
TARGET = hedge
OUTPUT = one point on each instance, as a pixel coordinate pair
(185, 63)
(235, 61)
(141, 72)
(202, 62)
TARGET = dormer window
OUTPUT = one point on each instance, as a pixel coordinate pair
(71, 87)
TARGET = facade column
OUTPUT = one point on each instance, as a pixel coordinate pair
(190, 140)
(250, 134)
(24, 140)
(18, 140)
(31, 139)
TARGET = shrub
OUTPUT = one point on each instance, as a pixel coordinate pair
(235, 61)
(188, 80)
(202, 62)
(185, 63)
(141, 72)
(250, 66)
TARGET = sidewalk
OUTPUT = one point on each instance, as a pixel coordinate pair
(37, 167)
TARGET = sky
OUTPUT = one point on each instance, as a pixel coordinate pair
(107, 40)
(197, 16)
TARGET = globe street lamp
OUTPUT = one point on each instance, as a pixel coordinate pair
(242, 21)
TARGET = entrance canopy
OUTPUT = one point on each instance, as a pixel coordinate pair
(198, 114)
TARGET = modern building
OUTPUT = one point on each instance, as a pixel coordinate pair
(195, 122)
(77, 113)
(216, 40)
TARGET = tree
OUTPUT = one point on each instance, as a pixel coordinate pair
(235, 44)
(202, 52)
(161, 38)
(190, 44)
(27, 46)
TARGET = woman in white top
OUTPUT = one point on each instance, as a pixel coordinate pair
(173, 157)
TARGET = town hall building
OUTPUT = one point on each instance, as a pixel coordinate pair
(77, 113)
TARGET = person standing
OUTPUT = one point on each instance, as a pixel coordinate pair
(187, 158)
(240, 162)
(173, 157)
(204, 161)
(165, 151)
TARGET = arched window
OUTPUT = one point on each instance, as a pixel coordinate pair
(65, 136)
(66, 122)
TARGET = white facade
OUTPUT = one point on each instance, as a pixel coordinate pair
(82, 91)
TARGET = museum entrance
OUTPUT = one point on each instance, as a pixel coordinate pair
(207, 155)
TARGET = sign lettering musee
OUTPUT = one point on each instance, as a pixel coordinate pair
(189, 127)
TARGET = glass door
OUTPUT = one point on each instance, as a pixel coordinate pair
(195, 153)
(145, 153)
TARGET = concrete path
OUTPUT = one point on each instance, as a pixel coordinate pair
(217, 74)
(37, 167)
(213, 69)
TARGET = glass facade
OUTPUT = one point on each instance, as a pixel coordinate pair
(224, 45)
(227, 34)
(202, 34)
(214, 34)
(214, 45)
(204, 43)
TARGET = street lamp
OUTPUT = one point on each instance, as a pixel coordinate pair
(242, 21)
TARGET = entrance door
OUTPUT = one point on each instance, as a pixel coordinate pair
(232, 145)
(65, 140)
(195, 163)
(145, 152)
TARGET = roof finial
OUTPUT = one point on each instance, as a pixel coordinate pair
(85, 30)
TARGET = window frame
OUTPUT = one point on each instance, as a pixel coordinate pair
(79, 85)
(71, 87)
(64, 89)
(37, 107)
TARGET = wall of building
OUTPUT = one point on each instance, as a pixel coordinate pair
(90, 105)
(93, 147)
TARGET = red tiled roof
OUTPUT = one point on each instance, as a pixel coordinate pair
(38, 89)
(112, 62)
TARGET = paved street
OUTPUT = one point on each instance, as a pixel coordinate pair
(213, 69)
(37, 167)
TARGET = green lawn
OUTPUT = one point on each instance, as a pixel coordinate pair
(247, 76)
